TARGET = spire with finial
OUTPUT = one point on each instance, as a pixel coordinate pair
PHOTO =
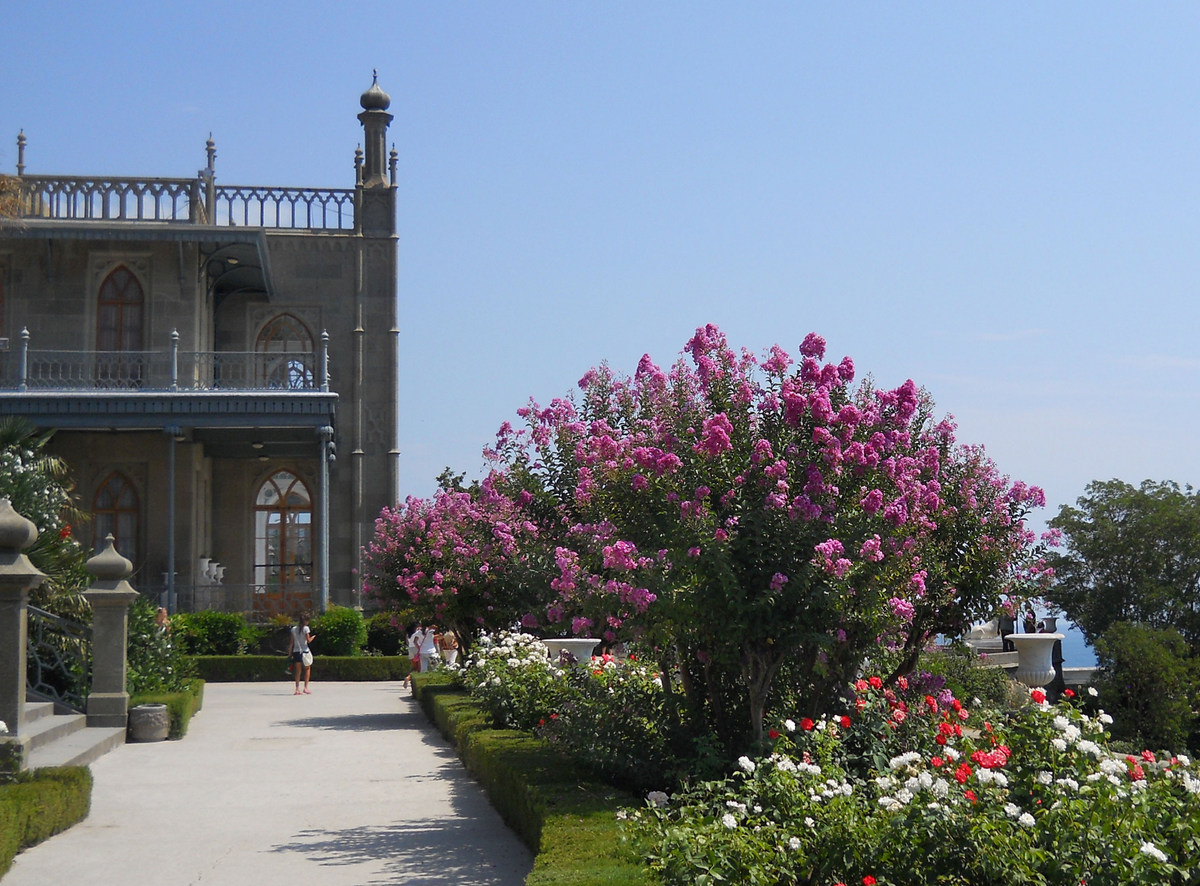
(375, 99)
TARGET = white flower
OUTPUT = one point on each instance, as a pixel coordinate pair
(1058, 744)
(1090, 747)
(1092, 691)
(1153, 851)
(1060, 723)
(734, 804)
(904, 760)
(1012, 810)
(1104, 718)
(1044, 777)
(808, 822)
(1184, 760)
(3, 728)
(794, 843)
(1068, 783)
(951, 753)
(1025, 820)
(729, 821)
(790, 726)
(657, 799)
(745, 764)
(622, 815)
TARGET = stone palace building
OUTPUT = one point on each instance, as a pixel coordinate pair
(218, 363)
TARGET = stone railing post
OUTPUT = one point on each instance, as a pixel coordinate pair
(110, 596)
(17, 578)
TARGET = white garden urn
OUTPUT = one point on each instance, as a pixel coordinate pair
(580, 647)
(1035, 658)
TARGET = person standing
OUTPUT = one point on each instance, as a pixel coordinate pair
(300, 654)
(430, 654)
(413, 631)
(1030, 621)
(449, 646)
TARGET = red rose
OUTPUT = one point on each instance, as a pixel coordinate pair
(868, 880)
(876, 683)
(845, 721)
(1069, 693)
(806, 724)
(774, 733)
(1038, 696)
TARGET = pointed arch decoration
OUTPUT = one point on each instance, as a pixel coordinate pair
(116, 510)
(283, 523)
(286, 358)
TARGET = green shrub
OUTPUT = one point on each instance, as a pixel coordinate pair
(340, 631)
(269, 668)
(155, 660)
(385, 634)
(568, 820)
(181, 706)
(210, 632)
(1149, 683)
(40, 804)
(955, 670)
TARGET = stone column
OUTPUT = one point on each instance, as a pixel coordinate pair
(110, 596)
(17, 578)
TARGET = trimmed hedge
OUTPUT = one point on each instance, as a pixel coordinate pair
(181, 706)
(274, 668)
(567, 819)
(40, 804)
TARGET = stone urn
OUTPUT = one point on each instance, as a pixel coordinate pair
(149, 722)
(1050, 623)
(1035, 661)
(580, 647)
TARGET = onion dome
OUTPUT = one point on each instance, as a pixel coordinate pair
(375, 99)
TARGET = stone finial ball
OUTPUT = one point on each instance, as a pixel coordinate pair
(375, 99)
(108, 565)
(16, 532)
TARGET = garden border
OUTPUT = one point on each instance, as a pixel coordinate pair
(566, 817)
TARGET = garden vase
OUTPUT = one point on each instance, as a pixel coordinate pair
(149, 722)
(1035, 665)
(1050, 623)
(580, 647)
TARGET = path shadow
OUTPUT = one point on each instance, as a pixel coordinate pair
(426, 851)
(354, 722)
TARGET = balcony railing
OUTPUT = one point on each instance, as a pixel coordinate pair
(194, 201)
(24, 369)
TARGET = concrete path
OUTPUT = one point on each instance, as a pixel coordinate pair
(349, 786)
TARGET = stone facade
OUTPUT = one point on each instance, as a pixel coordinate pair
(219, 364)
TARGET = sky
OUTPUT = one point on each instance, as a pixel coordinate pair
(999, 202)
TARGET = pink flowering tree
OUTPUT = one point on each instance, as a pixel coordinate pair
(466, 559)
(752, 517)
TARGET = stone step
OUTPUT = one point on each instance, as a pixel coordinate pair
(79, 748)
(37, 710)
(43, 730)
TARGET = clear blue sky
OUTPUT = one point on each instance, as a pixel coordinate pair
(999, 202)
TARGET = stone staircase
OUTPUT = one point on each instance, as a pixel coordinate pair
(64, 739)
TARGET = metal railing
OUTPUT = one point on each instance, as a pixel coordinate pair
(182, 200)
(58, 664)
(23, 369)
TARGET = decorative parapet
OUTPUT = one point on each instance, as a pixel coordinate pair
(183, 201)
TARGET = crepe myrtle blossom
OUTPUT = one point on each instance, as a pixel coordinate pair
(725, 462)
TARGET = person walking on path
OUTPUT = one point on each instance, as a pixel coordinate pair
(300, 654)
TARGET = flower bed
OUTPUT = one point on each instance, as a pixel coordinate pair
(912, 790)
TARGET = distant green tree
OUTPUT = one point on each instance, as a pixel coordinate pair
(1130, 554)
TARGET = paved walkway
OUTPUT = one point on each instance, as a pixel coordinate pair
(349, 785)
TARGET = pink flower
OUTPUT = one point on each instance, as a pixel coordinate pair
(813, 346)
(693, 552)
(778, 580)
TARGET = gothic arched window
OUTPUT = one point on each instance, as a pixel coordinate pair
(119, 312)
(119, 328)
(282, 533)
(115, 511)
(285, 347)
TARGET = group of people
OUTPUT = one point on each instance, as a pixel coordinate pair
(427, 646)
(1007, 624)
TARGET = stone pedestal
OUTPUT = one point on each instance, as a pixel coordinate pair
(110, 596)
(17, 578)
